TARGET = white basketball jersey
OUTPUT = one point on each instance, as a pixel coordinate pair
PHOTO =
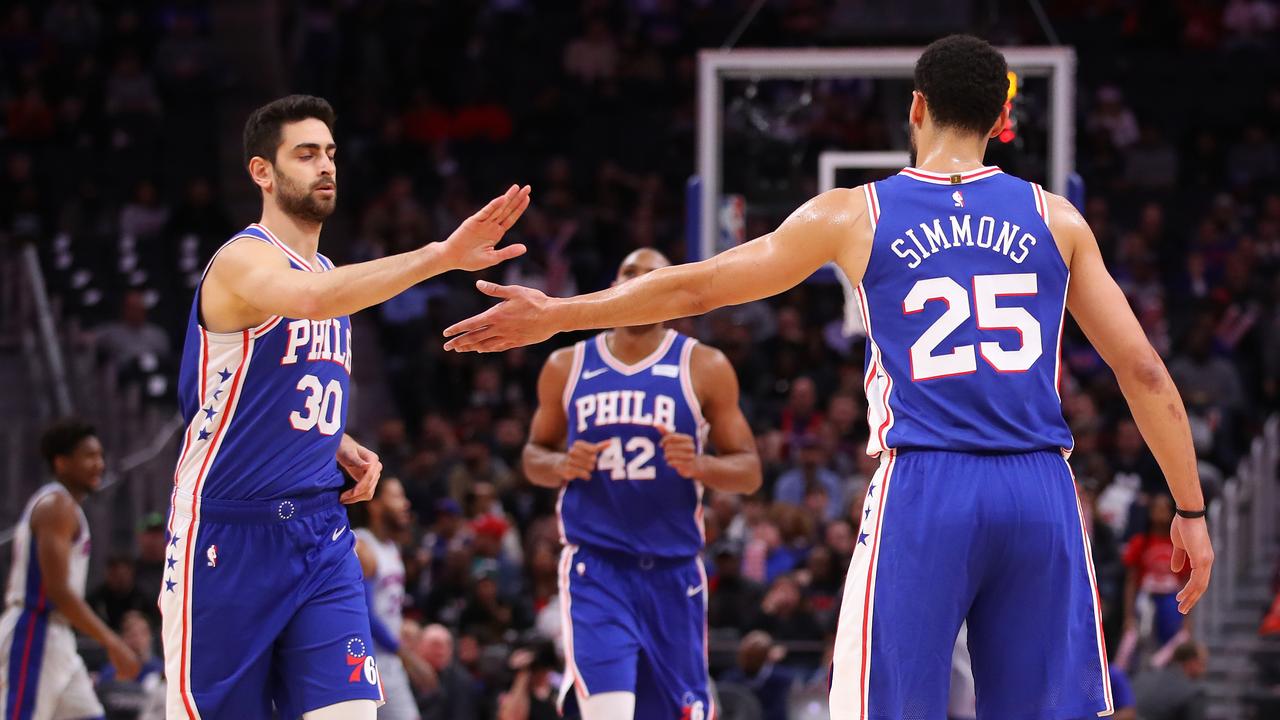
(26, 586)
(388, 580)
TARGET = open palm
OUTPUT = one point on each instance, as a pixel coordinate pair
(473, 246)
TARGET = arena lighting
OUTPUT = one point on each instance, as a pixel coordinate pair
(1010, 131)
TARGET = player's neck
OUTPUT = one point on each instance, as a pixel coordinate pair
(631, 345)
(949, 153)
(379, 531)
(301, 236)
(77, 495)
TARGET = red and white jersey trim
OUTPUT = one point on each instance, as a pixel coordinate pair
(950, 178)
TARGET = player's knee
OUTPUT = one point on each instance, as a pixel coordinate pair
(349, 710)
(609, 706)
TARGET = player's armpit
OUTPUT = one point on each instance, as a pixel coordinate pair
(544, 451)
(736, 465)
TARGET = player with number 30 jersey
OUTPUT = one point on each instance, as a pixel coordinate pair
(263, 601)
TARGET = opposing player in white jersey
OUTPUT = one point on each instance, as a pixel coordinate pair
(963, 275)
(41, 675)
(377, 545)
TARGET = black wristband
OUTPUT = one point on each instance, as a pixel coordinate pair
(1190, 514)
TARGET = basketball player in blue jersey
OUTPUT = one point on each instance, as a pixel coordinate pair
(963, 274)
(263, 601)
(41, 674)
(635, 408)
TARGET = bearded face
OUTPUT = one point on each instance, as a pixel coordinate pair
(312, 203)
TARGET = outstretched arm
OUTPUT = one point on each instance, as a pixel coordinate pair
(250, 281)
(830, 227)
(736, 466)
(1103, 312)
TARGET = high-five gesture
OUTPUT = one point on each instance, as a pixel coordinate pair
(473, 245)
(522, 318)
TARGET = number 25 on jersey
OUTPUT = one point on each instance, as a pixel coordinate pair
(962, 360)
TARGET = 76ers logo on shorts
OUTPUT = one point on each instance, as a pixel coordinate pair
(361, 662)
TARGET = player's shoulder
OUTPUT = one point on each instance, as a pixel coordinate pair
(54, 509)
(1062, 213)
(840, 202)
(245, 248)
(708, 359)
(556, 370)
(562, 358)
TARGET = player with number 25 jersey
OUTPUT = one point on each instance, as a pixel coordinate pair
(961, 275)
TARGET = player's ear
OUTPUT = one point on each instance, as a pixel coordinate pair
(260, 172)
(1002, 122)
(918, 106)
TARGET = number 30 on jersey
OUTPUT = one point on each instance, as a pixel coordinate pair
(322, 407)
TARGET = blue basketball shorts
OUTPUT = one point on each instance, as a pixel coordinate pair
(636, 624)
(263, 604)
(997, 539)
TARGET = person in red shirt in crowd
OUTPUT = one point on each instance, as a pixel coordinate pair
(1148, 556)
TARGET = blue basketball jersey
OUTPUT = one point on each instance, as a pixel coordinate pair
(963, 301)
(265, 407)
(635, 502)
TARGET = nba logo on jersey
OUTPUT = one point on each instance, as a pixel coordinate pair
(957, 198)
(212, 554)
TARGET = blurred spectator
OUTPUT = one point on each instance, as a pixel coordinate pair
(532, 695)
(734, 600)
(130, 89)
(783, 615)
(1174, 691)
(488, 616)
(153, 560)
(456, 697)
(1148, 557)
(592, 57)
(758, 670)
(1114, 118)
(811, 471)
(119, 593)
(133, 338)
(132, 699)
(144, 216)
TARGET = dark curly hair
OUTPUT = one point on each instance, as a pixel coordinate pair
(264, 128)
(965, 82)
(63, 437)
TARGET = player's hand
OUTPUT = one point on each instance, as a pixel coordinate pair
(580, 461)
(123, 659)
(473, 246)
(524, 317)
(1191, 543)
(681, 453)
(363, 465)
